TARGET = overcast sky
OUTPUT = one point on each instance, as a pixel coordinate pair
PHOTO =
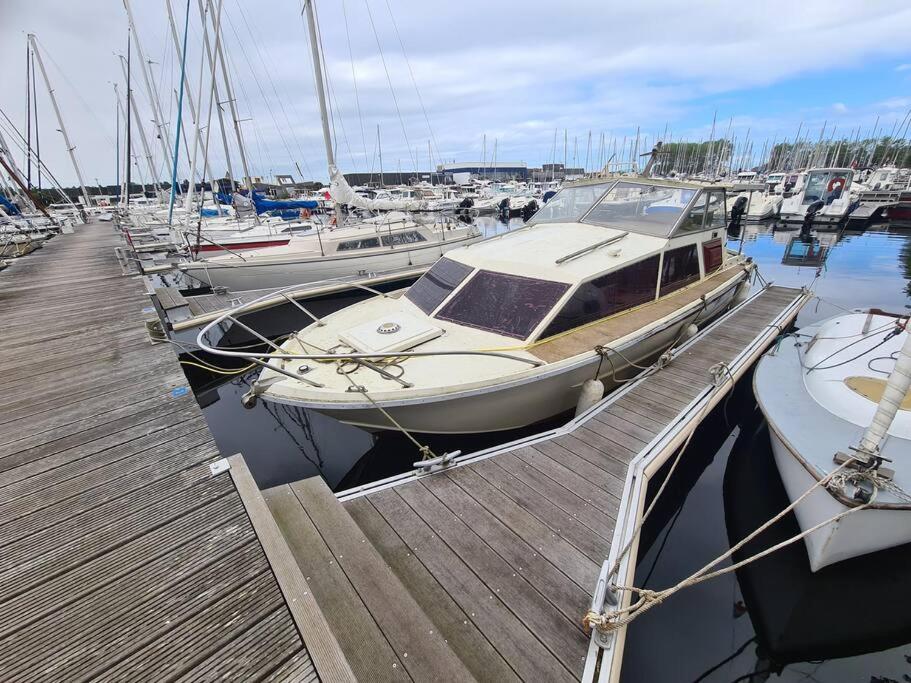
(515, 71)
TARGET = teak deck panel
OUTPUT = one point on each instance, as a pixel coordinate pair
(121, 556)
(500, 552)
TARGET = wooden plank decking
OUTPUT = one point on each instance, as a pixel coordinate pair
(122, 557)
(500, 553)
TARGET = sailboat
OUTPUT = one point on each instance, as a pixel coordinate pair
(836, 397)
(391, 243)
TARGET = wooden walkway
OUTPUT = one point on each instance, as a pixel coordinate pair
(485, 569)
(122, 557)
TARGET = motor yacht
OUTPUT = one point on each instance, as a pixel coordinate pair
(831, 186)
(502, 333)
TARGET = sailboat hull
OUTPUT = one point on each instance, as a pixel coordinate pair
(856, 534)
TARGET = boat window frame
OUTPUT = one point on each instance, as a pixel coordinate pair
(673, 228)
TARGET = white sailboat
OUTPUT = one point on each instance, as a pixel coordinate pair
(839, 391)
(389, 244)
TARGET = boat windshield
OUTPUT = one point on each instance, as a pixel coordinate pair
(825, 185)
(642, 208)
(569, 204)
(511, 305)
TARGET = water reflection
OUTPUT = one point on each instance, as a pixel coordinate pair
(775, 620)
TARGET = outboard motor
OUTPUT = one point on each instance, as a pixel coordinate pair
(810, 215)
(737, 210)
(466, 203)
(548, 195)
(503, 207)
(529, 210)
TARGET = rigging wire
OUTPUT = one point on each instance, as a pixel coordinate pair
(262, 93)
(102, 128)
(391, 88)
(334, 109)
(357, 99)
(268, 71)
(415, 84)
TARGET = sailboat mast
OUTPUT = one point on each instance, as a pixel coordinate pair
(379, 145)
(320, 84)
(128, 140)
(28, 117)
(117, 139)
(66, 138)
(161, 132)
(142, 135)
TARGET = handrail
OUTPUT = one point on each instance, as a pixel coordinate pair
(591, 247)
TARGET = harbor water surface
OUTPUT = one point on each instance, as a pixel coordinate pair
(752, 625)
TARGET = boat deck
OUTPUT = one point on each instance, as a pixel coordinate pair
(485, 567)
(183, 316)
(123, 556)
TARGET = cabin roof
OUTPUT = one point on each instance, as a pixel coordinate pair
(534, 250)
(664, 182)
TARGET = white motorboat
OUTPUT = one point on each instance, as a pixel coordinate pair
(328, 254)
(503, 333)
(834, 391)
(831, 186)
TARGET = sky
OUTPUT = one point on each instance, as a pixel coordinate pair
(462, 81)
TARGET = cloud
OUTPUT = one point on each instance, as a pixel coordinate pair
(903, 67)
(481, 68)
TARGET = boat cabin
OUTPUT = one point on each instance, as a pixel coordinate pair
(592, 251)
(826, 184)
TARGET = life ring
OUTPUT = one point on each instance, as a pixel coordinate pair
(836, 184)
(305, 214)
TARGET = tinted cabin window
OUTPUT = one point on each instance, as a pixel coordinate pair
(607, 295)
(680, 268)
(510, 305)
(436, 284)
(400, 238)
(712, 255)
(365, 243)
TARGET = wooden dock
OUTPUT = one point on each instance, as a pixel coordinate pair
(131, 550)
(485, 568)
(123, 556)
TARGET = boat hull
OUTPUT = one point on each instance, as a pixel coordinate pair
(512, 406)
(859, 533)
(254, 274)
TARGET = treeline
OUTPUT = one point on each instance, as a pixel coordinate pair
(870, 152)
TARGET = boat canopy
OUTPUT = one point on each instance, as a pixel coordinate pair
(8, 206)
(632, 205)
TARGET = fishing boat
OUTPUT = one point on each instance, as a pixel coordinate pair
(503, 333)
(831, 187)
(836, 397)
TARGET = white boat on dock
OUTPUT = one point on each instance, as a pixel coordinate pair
(831, 186)
(837, 392)
(504, 333)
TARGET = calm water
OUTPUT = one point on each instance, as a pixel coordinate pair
(775, 617)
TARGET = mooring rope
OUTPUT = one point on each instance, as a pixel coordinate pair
(833, 481)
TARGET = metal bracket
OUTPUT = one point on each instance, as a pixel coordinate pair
(440, 462)
(219, 466)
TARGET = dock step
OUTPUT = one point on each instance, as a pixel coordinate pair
(382, 630)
